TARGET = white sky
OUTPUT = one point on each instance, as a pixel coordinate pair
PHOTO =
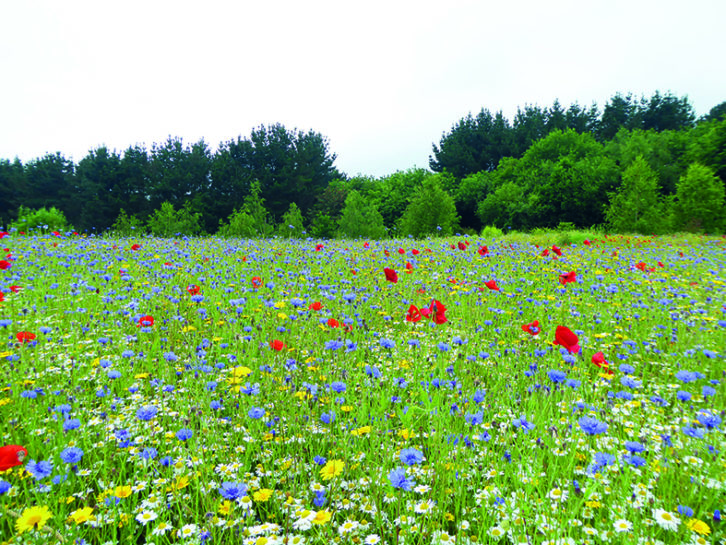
(381, 79)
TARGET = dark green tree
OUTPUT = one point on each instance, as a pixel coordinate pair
(707, 146)
(391, 194)
(50, 181)
(666, 113)
(431, 212)
(716, 113)
(97, 175)
(12, 185)
(621, 111)
(132, 190)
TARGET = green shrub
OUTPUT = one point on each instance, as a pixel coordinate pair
(167, 222)
(250, 221)
(126, 225)
(431, 212)
(699, 204)
(43, 220)
(291, 225)
(360, 219)
(490, 231)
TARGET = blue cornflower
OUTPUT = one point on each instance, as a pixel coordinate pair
(372, 371)
(707, 391)
(256, 413)
(166, 461)
(184, 434)
(685, 511)
(320, 499)
(634, 460)
(333, 345)
(232, 491)
(478, 396)
(522, 422)
(387, 343)
(444, 347)
(71, 424)
(696, 433)
(338, 387)
(4, 487)
(327, 418)
(399, 480)
(39, 470)
(709, 419)
(626, 369)
(411, 456)
(149, 453)
(215, 405)
(320, 460)
(592, 426)
(630, 382)
(71, 455)
(556, 376)
(682, 395)
(573, 383)
(114, 374)
(147, 412)
(475, 418)
(634, 446)
(686, 376)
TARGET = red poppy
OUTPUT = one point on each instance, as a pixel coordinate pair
(462, 246)
(277, 345)
(492, 285)
(391, 275)
(531, 328)
(317, 305)
(4, 265)
(483, 251)
(415, 251)
(565, 337)
(599, 360)
(437, 311)
(193, 289)
(146, 321)
(256, 281)
(348, 328)
(25, 336)
(11, 456)
(409, 267)
(366, 245)
(386, 253)
(413, 314)
(556, 250)
(640, 266)
(586, 243)
(2, 297)
(354, 271)
(568, 277)
(319, 247)
(660, 264)
(4, 234)
(332, 322)
(136, 247)
(401, 251)
(545, 252)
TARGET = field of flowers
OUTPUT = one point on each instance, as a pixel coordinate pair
(436, 391)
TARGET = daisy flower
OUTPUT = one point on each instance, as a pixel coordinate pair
(145, 517)
(666, 519)
(622, 525)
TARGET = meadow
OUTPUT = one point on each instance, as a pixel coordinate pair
(459, 390)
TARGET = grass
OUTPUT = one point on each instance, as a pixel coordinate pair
(243, 415)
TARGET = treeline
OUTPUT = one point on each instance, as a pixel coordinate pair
(643, 165)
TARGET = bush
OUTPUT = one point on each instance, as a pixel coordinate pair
(167, 222)
(126, 225)
(431, 212)
(42, 219)
(491, 231)
(360, 219)
(291, 225)
(250, 221)
(699, 200)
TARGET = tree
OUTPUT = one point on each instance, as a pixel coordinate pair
(432, 212)
(12, 182)
(620, 111)
(168, 222)
(250, 221)
(360, 219)
(637, 207)
(707, 146)
(391, 194)
(50, 182)
(666, 112)
(291, 225)
(700, 200)
(716, 113)
(97, 174)
(474, 144)
(131, 190)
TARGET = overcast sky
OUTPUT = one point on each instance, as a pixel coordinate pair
(381, 79)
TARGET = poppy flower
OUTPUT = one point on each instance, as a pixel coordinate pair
(386, 253)
(586, 242)
(25, 337)
(401, 251)
(531, 328)
(319, 247)
(483, 251)
(462, 246)
(391, 275)
(4, 234)
(545, 252)
(568, 277)
(136, 247)
(332, 322)
(317, 305)
(11, 456)
(277, 345)
(437, 310)
(640, 266)
(256, 281)
(366, 245)
(565, 337)
(415, 251)
(193, 289)
(409, 267)
(492, 285)
(146, 321)
(2, 297)
(556, 250)
(413, 314)
(4, 265)
(598, 358)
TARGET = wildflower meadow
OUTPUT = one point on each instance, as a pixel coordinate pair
(446, 390)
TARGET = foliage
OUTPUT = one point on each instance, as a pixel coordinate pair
(432, 212)
(291, 225)
(126, 225)
(250, 221)
(42, 219)
(391, 194)
(360, 219)
(490, 232)
(700, 202)
(636, 207)
(168, 222)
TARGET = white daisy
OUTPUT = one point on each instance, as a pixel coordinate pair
(188, 531)
(372, 539)
(622, 525)
(145, 517)
(666, 519)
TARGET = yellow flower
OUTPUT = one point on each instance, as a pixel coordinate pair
(79, 516)
(699, 527)
(321, 517)
(263, 495)
(225, 507)
(332, 469)
(122, 491)
(361, 431)
(32, 517)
